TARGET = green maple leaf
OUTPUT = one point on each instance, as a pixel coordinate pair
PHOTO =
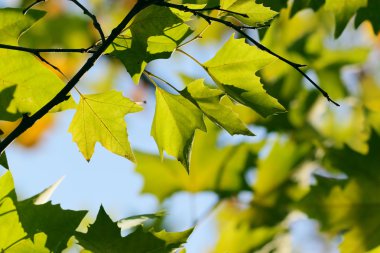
(208, 100)
(13, 237)
(257, 13)
(58, 224)
(104, 236)
(343, 10)
(275, 5)
(174, 125)
(25, 84)
(233, 69)
(371, 13)
(350, 205)
(154, 34)
(223, 175)
(100, 117)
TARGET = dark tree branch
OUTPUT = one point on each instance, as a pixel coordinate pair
(93, 17)
(237, 28)
(62, 95)
(38, 55)
(48, 50)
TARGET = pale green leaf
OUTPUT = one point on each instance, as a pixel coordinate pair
(100, 118)
(233, 69)
(37, 245)
(257, 13)
(208, 100)
(13, 23)
(25, 84)
(174, 125)
(10, 227)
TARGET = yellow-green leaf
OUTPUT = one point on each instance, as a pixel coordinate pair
(100, 118)
(174, 125)
(233, 69)
(25, 84)
(257, 13)
(208, 100)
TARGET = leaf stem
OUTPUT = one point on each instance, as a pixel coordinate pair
(62, 95)
(190, 56)
(238, 29)
(13, 243)
(162, 80)
(198, 36)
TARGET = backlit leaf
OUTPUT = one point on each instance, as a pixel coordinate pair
(208, 100)
(100, 118)
(174, 125)
(233, 69)
(257, 13)
(28, 85)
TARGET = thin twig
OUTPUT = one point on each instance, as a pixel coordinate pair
(254, 27)
(190, 56)
(48, 50)
(198, 36)
(237, 28)
(93, 17)
(62, 95)
(32, 5)
(162, 80)
(50, 64)
(220, 9)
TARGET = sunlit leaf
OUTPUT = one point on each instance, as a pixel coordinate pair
(100, 118)
(257, 13)
(25, 83)
(208, 100)
(174, 125)
(233, 69)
